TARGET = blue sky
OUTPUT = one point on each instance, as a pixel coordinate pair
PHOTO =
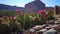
(21, 3)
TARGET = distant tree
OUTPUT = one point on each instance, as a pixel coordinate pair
(57, 9)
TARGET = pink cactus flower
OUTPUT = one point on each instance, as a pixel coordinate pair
(17, 10)
(45, 15)
(42, 12)
(9, 17)
(3, 17)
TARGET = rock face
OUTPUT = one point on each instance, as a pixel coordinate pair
(34, 6)
(8, 7)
